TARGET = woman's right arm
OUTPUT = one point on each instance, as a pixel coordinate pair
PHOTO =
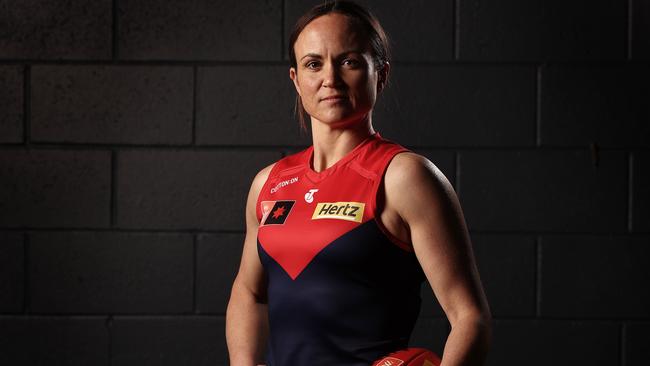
(246, 315)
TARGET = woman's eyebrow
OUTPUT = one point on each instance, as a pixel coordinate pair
(315, 55)
(344, 53)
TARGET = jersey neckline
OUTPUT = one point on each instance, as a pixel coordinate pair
(315, 176)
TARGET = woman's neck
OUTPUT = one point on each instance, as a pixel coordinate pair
(332, 144)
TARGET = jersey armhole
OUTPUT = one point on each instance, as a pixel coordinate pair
(378, 203)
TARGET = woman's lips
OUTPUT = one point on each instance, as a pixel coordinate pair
(333, 98)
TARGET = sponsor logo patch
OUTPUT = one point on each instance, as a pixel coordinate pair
(309, 196)
(275, 212)
(283, 183)
(350, 211)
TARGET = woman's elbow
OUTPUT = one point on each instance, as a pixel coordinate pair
(479, 320)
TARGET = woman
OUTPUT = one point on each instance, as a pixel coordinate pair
(341, 235)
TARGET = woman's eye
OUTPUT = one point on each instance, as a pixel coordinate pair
(351, 62)
(312, 64)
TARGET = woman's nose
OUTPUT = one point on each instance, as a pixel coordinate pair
(331, 76)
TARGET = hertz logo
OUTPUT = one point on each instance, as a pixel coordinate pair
(351, 211)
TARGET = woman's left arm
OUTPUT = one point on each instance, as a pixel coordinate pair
(428, 206)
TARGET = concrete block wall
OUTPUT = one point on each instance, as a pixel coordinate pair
(130, 132)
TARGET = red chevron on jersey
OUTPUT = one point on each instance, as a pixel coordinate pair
(324, 205)
(294, 244)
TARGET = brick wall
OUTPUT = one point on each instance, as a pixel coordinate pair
(130, 132)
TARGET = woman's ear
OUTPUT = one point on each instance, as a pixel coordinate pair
(382, 77)
(294, 77)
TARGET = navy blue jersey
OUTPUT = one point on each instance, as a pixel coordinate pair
(341, 289)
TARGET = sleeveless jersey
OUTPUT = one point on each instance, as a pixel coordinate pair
(341, 290)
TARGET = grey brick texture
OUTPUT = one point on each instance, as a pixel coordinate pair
(201, 190)
(230, 30)
(143, 341)
(59, 30)
(507, 266)
(112, 105)
(12, 272)
(130, 133)
(607, 106)
(11, 104)
(511, 30)
(218, 257)
(640, 30)
(544, 190)
(55, 188)
(110, 272)
(224, 113)
(459, 106)
(53, 340)
(544, 342)
(595, 277)
(637, 336)
(641, 192)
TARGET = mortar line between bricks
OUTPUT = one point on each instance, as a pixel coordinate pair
(538, 277)
(195, 271)
(630, 191)
(622, 345)
(215, 147)
(572, 320)
(211, 315)
(109, 328)
(538, 106)
(503, 232)
(113, 208)
(114, 32)
(122, 230)
(120, 315)
(284, 62)
(282, 20)
(630, 25)
(456, 29)
(54, 316)
(542, 234)
(27, 104)
(26, 282)
(194, 96)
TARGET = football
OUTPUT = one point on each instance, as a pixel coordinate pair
(409, 357)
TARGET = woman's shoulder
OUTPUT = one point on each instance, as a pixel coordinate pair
(261, 177)
(419, 174)
(409, 164)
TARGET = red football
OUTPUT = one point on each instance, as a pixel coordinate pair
(409, 357)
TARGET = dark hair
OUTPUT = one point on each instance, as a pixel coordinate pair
(360, 16)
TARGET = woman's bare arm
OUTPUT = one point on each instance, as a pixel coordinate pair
(246, 316)
(427, 204)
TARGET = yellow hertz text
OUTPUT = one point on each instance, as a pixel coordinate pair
(351, 211)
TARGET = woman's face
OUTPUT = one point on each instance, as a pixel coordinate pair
(335, 76)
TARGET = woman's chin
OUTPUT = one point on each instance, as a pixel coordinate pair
(341, 122)
(344, 119)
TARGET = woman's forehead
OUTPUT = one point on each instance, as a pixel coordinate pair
(331, 31)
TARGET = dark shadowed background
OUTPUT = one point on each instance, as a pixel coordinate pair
(131, 130)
